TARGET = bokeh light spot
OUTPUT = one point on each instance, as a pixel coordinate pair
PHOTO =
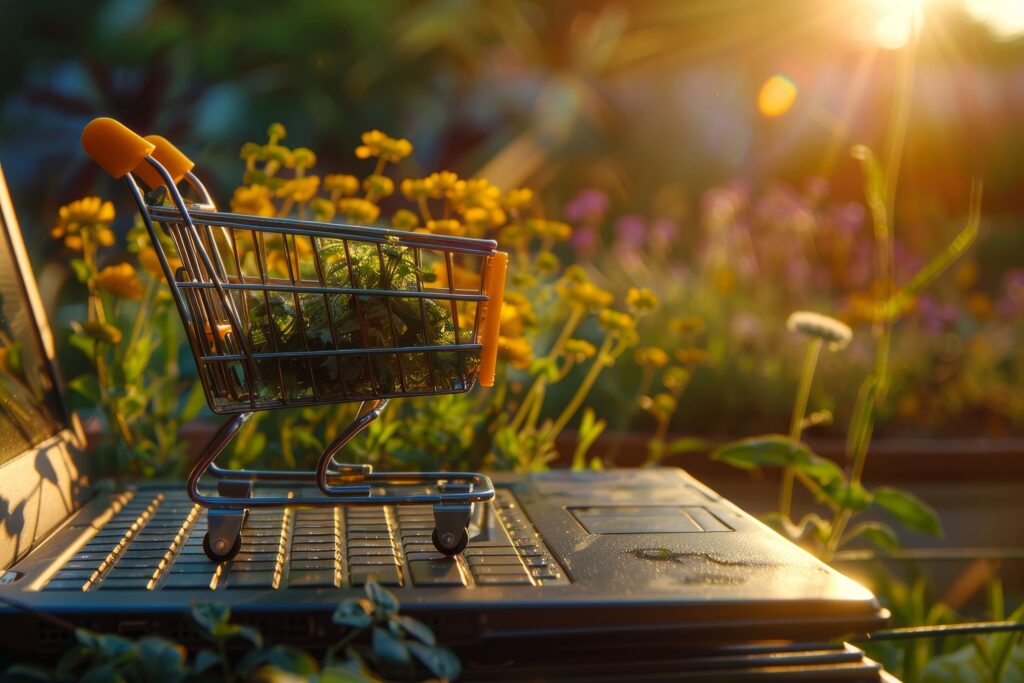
(777, 95)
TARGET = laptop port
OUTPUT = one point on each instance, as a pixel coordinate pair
(132, 628)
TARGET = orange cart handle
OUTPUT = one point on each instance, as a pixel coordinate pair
(494, 277)
(169, 156)
(114, 146)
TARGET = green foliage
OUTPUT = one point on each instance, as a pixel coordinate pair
(378, 644)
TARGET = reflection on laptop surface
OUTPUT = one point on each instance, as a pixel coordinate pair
(564, 570)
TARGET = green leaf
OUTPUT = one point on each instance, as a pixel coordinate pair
(107, 646)
(881, 535)
(590, 429)
(384, 601)
(35, 673)
(82, 270)
(83, 343)
(844, 496)
(205, 660)
(777, 450)
(193, 403)
(439, 661)
(136, 358)
(961, 665)
(161, 659)
(86, 386)
(417, 630)
(103, 673)
(910, 510)
(353, 613)
(211, 615)
(689, 444)
(387, 648)
(102, 332)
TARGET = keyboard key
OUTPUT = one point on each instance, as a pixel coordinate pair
(123, 584)
(187, 581)
(482, 570)
(424, 555)
(371, 561)
(252, 566)
(323, 555)
(304, 565)
(311, 578)
(436, 573)
(80, 575)
(131, 572)
(249, 580)
(372, 552)
(384, 575)
(64, 585)
(506, 551)
(503, 580)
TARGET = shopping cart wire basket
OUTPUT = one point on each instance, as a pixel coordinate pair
(284, 313)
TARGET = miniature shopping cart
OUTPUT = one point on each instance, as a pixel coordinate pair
(287, 313)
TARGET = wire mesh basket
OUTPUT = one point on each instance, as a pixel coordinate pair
(286, 313)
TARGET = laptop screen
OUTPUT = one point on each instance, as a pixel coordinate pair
(30, 406)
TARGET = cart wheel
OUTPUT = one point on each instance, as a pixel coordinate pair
(455, 545)
(221, 557)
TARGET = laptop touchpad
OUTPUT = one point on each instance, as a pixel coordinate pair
(647, 519)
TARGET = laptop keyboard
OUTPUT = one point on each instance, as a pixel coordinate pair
(155, 542)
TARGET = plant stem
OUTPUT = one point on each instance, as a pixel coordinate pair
(796, 424)
(600, 362)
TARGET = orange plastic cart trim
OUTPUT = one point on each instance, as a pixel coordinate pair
(169, 156)
(494, 277)
(114, 147)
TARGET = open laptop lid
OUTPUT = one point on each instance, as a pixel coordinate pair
(41, 479)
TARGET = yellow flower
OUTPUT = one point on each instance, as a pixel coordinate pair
(642, 301)
(302, 158)
(547, 263)
(555, 230)
(445, 226)
(299, 189)
(650, 357)
(323, 209)
(463, 278)
(120, 280)
(89, 217)
(344, 185)
(579, 349)
(405, 220)
(253, 200)
(359, 210)
(151, 262)
(415, 188)
(691, 325)
(616, 323)
(585, 294)
(516, 350)
(377, 144)
(516, 315)
(379, 185)
(442, 184)
(275, 132)
(675, 377)
(477, 192)
(691, 357)
(517, 199)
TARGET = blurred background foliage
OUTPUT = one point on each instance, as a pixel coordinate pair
(709, 140)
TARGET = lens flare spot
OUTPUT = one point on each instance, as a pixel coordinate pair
(777, 96)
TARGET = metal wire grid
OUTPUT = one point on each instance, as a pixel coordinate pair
(263, 268)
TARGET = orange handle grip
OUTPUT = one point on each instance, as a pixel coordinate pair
(494, 277)
(169, 156)
(114, 147)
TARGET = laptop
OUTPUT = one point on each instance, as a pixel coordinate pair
(567, 575)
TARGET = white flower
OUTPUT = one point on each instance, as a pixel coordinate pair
(836, 333)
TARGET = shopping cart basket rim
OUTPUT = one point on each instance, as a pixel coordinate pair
(166, 214)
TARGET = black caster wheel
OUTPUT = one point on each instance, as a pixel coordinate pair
(221, 557)
(455, 545)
